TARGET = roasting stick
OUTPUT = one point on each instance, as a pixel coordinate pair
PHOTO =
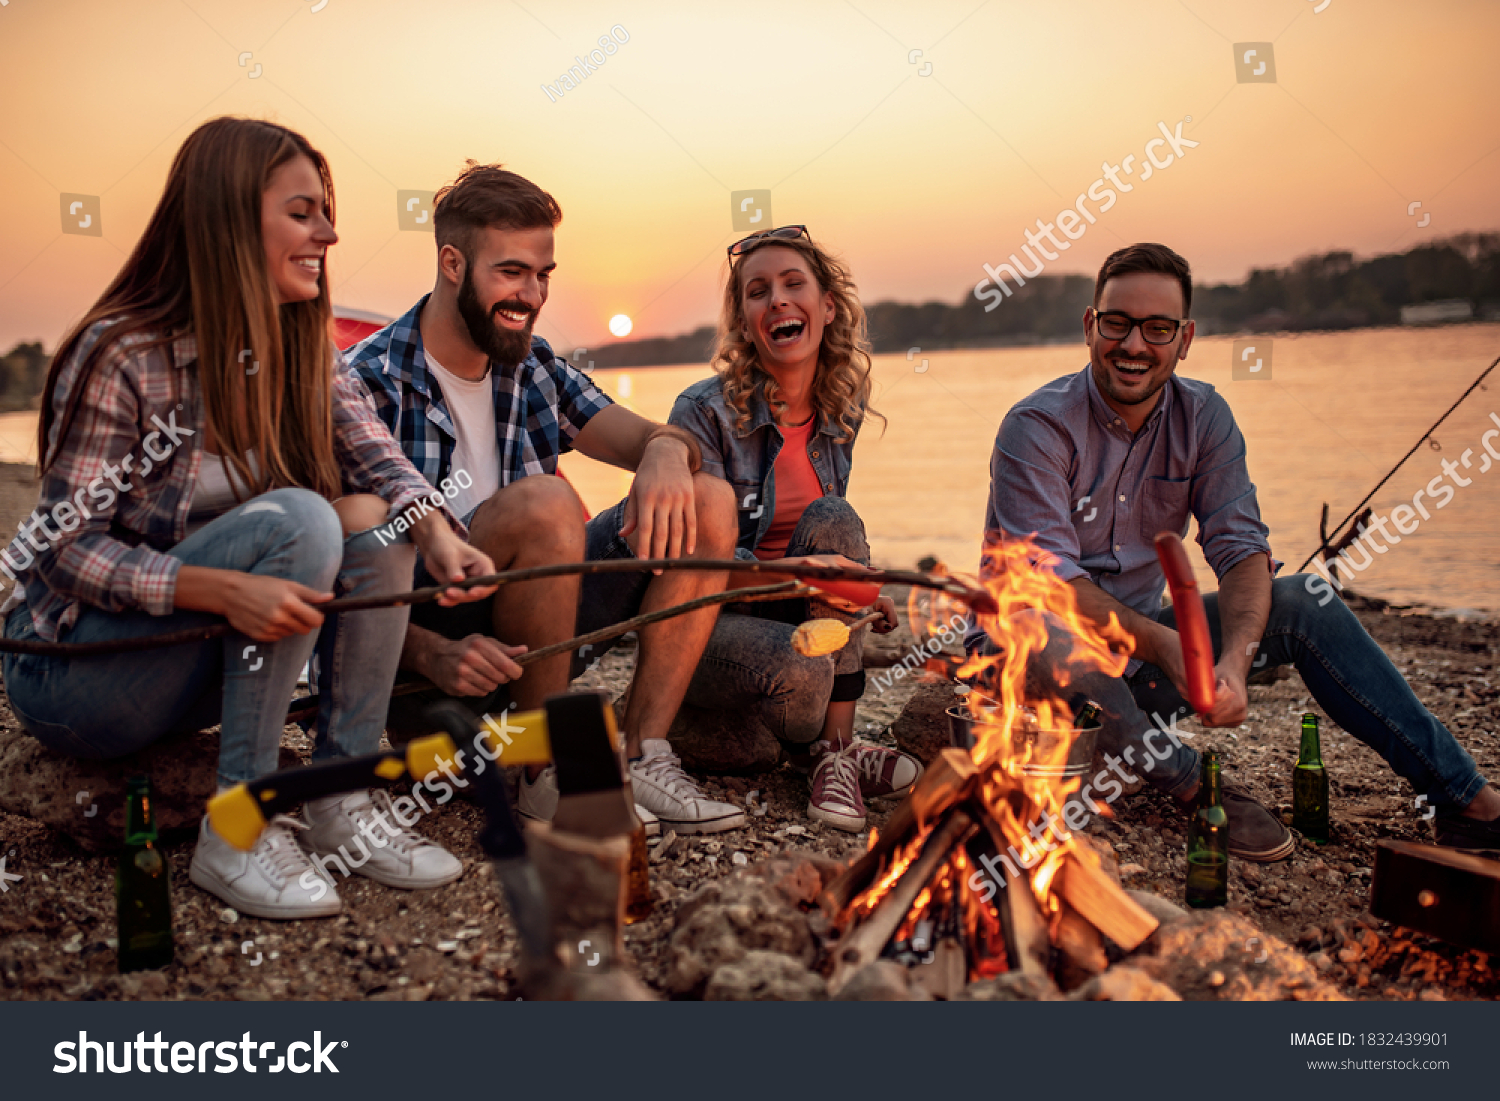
(860, 587)
(307, 706)
(1192, 622)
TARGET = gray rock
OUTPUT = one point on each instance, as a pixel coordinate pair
(1014, 986)
(722, 741)
(883, 981)
(760, 976)
(1124, 984)
(724, 920)
(922, 727)
(60, 791)
(1158, 907)
(1218, 955)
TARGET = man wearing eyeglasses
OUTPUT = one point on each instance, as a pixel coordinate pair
(1096, 464)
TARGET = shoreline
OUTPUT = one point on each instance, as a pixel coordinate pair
(18, 487)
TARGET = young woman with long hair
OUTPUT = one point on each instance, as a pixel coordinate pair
(778, 422)
(203, 454)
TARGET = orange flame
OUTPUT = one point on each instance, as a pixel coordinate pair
(1023, 734)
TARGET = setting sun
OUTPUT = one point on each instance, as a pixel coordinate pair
(620, 325)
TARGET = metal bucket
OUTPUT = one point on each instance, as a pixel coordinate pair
(1080, 759)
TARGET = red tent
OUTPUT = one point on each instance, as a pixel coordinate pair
(352, 326)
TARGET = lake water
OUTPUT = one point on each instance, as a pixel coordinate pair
(1338, 411)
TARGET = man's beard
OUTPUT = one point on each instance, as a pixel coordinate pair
(506, 347)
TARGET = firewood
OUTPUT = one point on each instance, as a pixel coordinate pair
(1027, 942)
(947, 781)
(947, 973)
(1440, 891)
(863, 942)
(1080, 947)
(1099, 900)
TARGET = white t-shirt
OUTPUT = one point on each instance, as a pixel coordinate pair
(472, 406)
(212, 493)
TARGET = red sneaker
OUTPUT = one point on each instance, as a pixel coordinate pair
(885, 772)
(835, 791)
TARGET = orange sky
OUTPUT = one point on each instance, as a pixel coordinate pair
(916, 179)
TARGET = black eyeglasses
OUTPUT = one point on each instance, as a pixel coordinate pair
(785, 233)
(1116, 325)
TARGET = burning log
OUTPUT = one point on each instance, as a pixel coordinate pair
(1030, 948)
(946, 781)
(1080, 947)
(865, 941)
(946, 974)
(1103, 904)
(918, 895)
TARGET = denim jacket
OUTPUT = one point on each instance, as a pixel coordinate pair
(746, 458)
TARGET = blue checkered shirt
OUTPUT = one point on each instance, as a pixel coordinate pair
(539, 408)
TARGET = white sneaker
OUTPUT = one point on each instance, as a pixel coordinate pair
(273, 880)
(361, 831)
(665, 790)
(538, 800)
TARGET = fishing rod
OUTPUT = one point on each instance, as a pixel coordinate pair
(1425, 436)
(858, 585)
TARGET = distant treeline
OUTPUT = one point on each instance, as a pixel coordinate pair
(1330, 291)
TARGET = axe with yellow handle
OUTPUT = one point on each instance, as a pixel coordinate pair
(514, 738)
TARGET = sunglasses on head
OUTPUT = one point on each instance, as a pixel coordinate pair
(785, 233)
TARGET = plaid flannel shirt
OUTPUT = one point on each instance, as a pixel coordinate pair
(539, 408)
(121, 488)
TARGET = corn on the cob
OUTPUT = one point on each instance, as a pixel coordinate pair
(819, 636)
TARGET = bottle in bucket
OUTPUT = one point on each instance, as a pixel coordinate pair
(1208, 842)
(1310, 786)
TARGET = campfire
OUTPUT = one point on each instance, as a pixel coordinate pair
(977, 874)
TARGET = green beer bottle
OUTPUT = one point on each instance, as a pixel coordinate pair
(1208, 841)
(1310, 786)
(142, 897)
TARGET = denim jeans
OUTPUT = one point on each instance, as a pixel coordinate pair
(749, 665)
(110, 705)
(1347, 673)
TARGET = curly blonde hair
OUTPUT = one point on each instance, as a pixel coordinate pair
(841, 384)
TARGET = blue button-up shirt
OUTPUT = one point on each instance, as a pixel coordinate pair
(539, 408)
(746, 457)
(1067, 468)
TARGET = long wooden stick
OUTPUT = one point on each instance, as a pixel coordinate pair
(787, 590)
(979, 599)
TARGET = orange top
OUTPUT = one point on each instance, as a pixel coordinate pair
(796, 487)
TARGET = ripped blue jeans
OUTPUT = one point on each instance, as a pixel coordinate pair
(110, 705)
